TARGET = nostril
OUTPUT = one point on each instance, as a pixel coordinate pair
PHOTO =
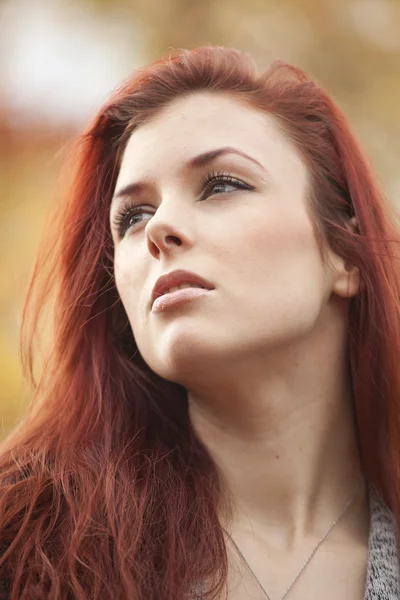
(173, 239)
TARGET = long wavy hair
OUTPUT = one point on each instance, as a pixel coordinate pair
(106, 492)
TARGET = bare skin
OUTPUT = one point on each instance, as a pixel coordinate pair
(264, 354)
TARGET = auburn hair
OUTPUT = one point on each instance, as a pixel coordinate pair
(106, 492)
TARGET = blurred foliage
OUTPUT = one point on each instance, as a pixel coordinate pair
(352, 47)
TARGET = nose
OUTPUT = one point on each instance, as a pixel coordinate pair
(166, 231)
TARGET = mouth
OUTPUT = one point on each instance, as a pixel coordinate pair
(178, 286)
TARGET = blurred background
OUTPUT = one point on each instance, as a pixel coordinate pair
(59, 59)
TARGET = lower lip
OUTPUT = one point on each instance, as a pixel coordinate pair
(177, 298)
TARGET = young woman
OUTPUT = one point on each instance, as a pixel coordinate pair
(218, 416)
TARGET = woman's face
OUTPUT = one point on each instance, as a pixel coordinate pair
(213, 187)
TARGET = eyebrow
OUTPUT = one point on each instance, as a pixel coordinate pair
(204, 159)
(201, 160)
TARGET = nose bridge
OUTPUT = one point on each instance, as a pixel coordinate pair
(170, 221)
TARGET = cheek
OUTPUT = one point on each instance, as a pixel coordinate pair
(270, 245)
(129, 272)
(276, 269)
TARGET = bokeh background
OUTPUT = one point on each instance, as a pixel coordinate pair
(59, 59)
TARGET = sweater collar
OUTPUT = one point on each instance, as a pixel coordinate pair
(383, 573)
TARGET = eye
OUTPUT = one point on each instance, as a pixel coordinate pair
(128, 216)
(220, 183)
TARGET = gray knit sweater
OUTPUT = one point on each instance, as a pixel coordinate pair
(383, 573)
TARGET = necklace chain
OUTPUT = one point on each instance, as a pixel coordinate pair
(307, 561)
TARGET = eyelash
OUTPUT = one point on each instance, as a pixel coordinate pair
(126, 211)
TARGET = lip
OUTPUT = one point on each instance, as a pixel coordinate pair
(165, 282)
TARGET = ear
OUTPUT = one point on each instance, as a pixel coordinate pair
(346, 277)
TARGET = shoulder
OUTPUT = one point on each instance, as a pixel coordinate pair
(383, 574)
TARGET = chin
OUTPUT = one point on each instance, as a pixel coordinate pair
(183, 356)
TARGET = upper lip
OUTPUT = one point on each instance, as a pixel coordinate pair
(176, 278)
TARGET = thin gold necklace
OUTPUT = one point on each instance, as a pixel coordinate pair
(307, 561)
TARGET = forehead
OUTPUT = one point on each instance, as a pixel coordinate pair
(204, 121)
(200, 122)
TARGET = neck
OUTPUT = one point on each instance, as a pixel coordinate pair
(285, 445)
